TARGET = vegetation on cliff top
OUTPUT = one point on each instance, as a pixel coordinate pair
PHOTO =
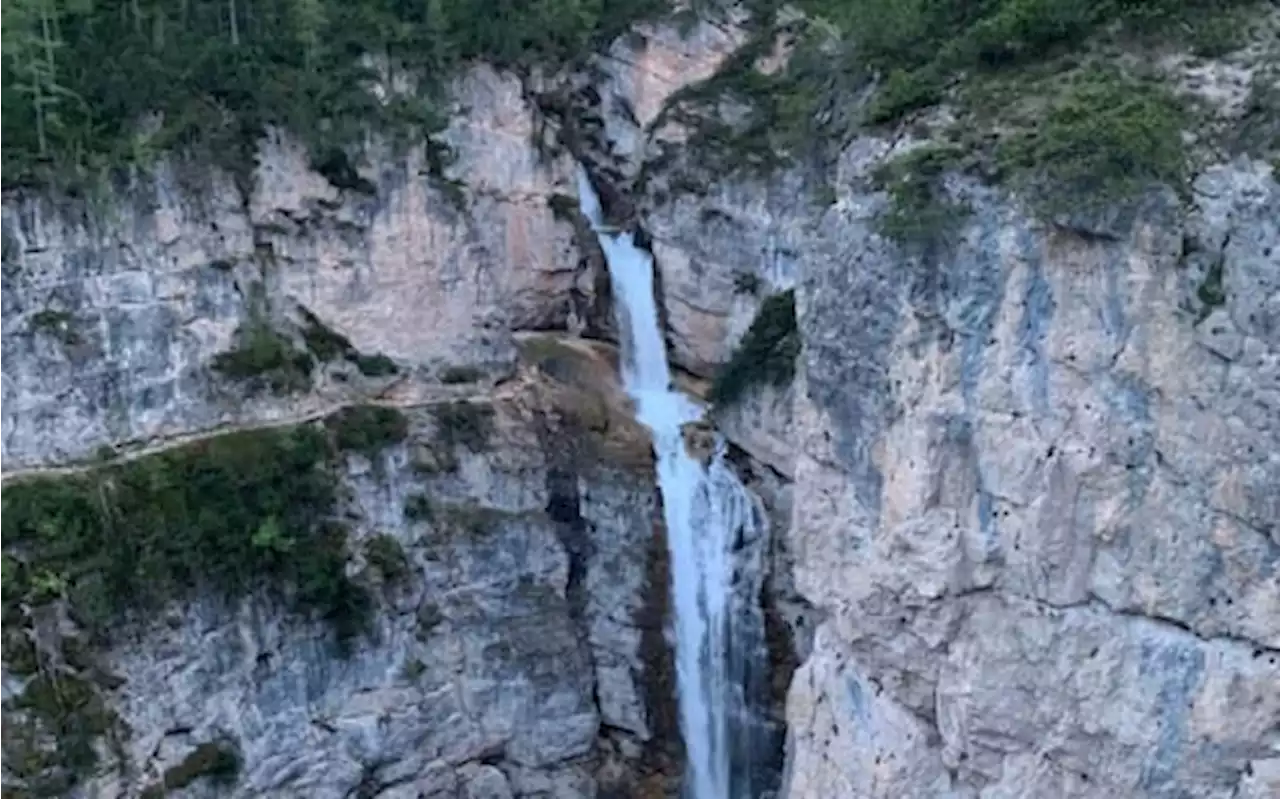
(1043, 92)
(90, 88)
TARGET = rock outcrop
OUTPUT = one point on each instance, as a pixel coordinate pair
(112, 318)
(1030, 491)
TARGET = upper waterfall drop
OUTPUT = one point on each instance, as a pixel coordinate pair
(706, 511)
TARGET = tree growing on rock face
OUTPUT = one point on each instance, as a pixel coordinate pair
(80, 78)
(31, 44)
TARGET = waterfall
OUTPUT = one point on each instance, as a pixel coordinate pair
(709, 516)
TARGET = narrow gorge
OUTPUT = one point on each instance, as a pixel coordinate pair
(595, 399)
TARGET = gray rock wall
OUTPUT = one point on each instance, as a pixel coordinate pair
(150, 285)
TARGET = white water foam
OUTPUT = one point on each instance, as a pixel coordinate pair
(705, 510)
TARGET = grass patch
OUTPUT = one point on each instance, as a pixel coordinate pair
(367, 429)
(1104, 139)
(224, 516)
(265, 360)
(766, 355)
(465, 424)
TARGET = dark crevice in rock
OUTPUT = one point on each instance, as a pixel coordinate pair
(666, 751)
(563, 508)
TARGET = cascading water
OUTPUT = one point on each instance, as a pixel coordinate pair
(709, 515)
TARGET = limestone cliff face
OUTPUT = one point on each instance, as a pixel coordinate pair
(1034, 494)
(1024, 488)
(520, 652)
(1031, 478)
(521, 649)
(429, 271)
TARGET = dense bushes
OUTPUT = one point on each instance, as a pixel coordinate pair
(231, 514)
(93, 87)
(264, 359)
(1104, 138)
(767, 353)
(367, 429)
(917, 46)
(919, 212)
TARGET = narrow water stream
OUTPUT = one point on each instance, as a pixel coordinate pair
(708, 513)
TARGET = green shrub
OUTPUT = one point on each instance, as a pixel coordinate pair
(265, 359)
(323, 341)
(767, 353)
(746, 283)
(454, 375)
(384, 553)
(464, 423)
(329, 345)
(417, 508)
(219, 762)
(367, 429)
(904, 91)
(1104, 139)
(377, 365)
(59, 324)
(228, 514)
(69, 711)
(919, 213)
(9, 247)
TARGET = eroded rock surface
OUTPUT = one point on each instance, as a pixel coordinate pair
(505, 646)
(1032, 494)
(112, 319)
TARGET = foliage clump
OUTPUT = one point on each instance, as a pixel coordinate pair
(385, 553)
(920, 211)
(91, 89)
(226, 515)
(767, 353)
(464, 423)
(327, 344)
(59, 324)
(867, 62)
(417, 508)
(217, 761)
(917, 48)
(51, 747)
(265, 360)
(367, 429)
(455, 375)
(1104, 139)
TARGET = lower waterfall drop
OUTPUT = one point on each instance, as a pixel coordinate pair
(709, 516)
